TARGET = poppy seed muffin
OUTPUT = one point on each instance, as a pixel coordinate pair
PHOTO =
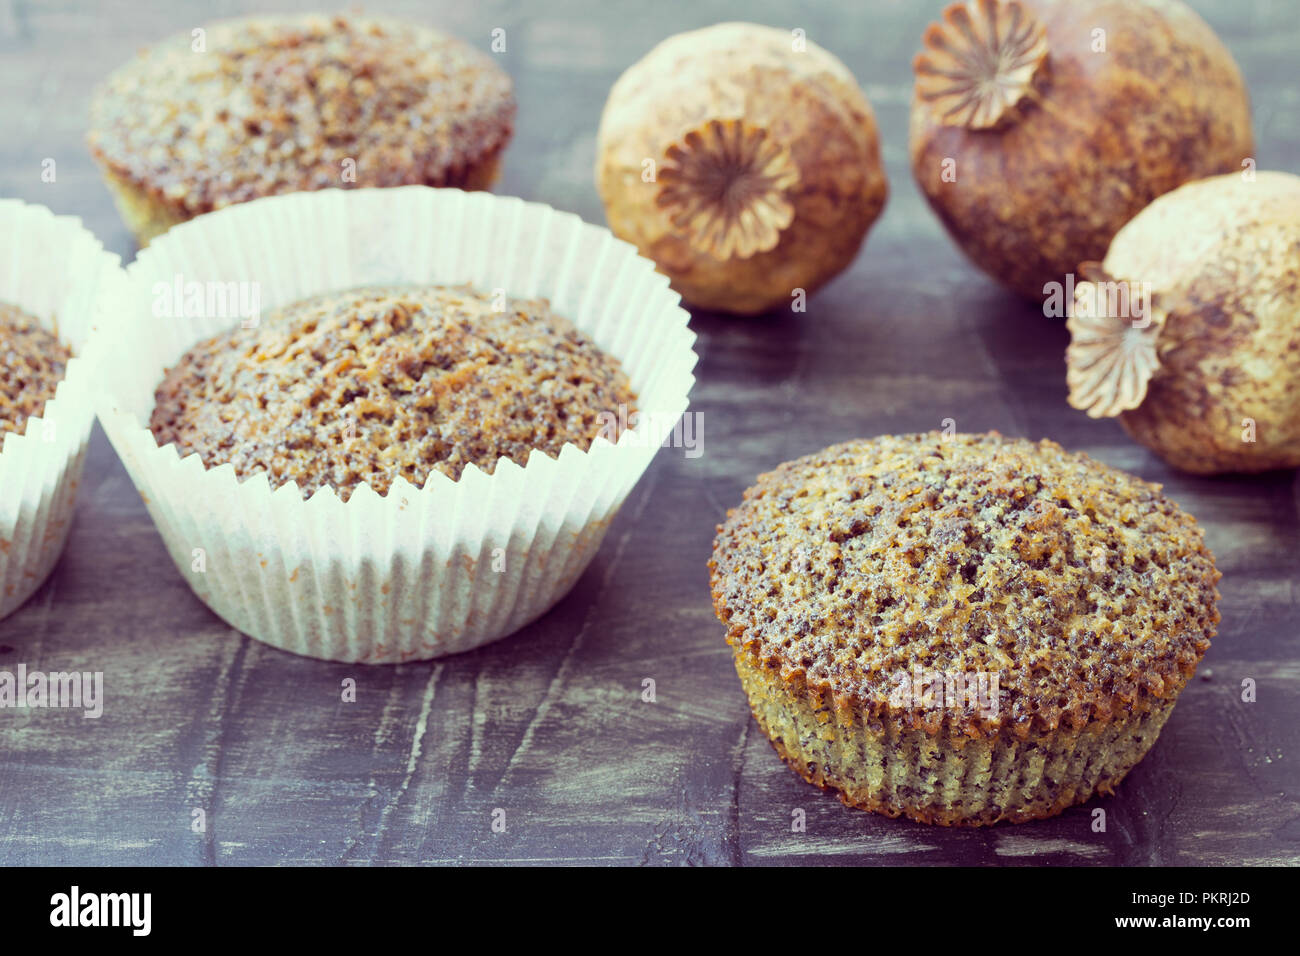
(964, 629)
(34, 362)
(376, 383)
(271, 105)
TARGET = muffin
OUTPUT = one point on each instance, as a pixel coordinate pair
(53, 276)
(407, 468)
(281, 104)
(375, 383)
(963, 630)
(33, 365)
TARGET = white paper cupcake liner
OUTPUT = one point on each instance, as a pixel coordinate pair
(54, 269)
(420, 572)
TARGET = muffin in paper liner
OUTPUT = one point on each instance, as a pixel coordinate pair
(961, 629)
(54, 269)
(419, 572)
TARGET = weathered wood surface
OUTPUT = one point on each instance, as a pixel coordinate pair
(549, 725)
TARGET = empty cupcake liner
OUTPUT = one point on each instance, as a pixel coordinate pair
(54, 269)
(419, 572)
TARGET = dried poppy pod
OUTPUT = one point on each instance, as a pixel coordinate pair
(1040, 127)
(743, 160)
(1189, 331)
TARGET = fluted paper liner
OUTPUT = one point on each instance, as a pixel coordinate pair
(419, 572)
(889, 766)
(51, 267)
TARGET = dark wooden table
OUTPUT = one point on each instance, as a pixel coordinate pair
(549, 725)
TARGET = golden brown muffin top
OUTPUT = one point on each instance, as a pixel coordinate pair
(279, 104)
(1086, 590)
(33, 363)
(379, 382)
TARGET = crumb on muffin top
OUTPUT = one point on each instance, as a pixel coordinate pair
(370, 384)
(280, 104)
(1085, 589)
(34, 362)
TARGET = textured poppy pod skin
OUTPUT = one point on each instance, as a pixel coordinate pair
(1040, 127)
(744, 160)
(1189, 331)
